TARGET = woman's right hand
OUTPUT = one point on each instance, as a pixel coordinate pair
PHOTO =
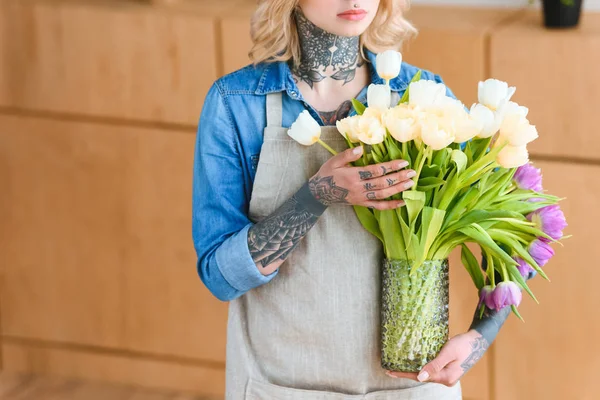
(338, 182)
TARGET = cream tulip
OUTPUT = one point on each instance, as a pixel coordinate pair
(486, 118)
(433, 135)
(513, 156)
(388, 64)
(425, 93)
(305, 130)
(370, 130)
(494, 93)
(401, 122)
(379, 96)
(349, 127)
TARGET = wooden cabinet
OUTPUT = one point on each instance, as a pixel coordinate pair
(118, 60)
(96, 239)
(554, 354)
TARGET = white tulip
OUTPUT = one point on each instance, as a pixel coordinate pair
(514, 115)
(388, 64)
(513, 156)
(370, 130)
(432, 134)
(305, 130)
(402, 123)
(424, 93)
(379, 96)
(349, 127)
(522, 134)
(494, 93)
(486, 119)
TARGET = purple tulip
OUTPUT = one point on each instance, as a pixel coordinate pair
(528, 177)
(485, 296)
(506, 294)
(550, 220)
(541, 251)
(524, 268)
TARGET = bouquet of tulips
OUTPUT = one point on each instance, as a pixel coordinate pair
(474, 183)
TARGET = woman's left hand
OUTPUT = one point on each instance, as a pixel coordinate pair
(457, 356)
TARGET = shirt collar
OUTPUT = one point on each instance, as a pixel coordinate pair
(277, 77)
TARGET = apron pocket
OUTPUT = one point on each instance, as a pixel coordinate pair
(257, 390)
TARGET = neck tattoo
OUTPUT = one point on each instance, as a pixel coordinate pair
(321, 49)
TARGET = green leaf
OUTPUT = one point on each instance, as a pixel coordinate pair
(415, 78)
(415, 201)
(392, 236)
(431, 224)
(478, 234)
(472, 266)
(368, 221)
(442, 156)
(460, 159)
(477, 216)
(430, 170)
(515, 276)
(430, 183)
(358, 107)
(516, 312)
(411, 240)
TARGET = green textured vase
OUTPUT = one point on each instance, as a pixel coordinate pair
(414, 313)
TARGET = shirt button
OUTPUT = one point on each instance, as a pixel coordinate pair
(293, 93)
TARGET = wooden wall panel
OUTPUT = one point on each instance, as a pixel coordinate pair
(205, 380)
(114, 59)
(96, 242)
(555, 354)
(463, 300)
(556, 75)
(452, 42)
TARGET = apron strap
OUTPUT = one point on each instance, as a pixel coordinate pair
(274, 109)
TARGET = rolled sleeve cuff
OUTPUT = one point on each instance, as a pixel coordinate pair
(236, 264)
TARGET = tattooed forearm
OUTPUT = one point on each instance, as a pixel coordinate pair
(274, 237)
(478, 347)
(321, 49)
(491, 322)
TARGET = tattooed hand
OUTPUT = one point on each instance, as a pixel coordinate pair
(337, 182)
(457, 356)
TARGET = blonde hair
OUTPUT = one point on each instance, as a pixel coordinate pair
(275, 37)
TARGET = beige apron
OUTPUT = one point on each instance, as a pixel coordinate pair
(313, 331)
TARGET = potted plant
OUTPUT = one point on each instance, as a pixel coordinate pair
(561, 13)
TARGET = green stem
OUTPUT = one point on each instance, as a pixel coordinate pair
(424, 156)
(322, 143)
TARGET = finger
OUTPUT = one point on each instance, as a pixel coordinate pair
(377, 170)
(449, 375)
(384, 204)
(389, 191)
(402, 177)
(436, 365)
(347, 156)
(409, 375)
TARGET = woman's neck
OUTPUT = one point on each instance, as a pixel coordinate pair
(325, 55)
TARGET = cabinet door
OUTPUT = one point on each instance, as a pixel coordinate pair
(96, 243)
(555, 354)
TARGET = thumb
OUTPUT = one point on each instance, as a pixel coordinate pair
(435, 366)
(347, 156)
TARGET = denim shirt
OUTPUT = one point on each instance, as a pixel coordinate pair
(227, 149)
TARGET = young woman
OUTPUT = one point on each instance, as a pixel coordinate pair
(273, 225)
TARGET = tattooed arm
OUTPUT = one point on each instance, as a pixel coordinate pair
(272, 239)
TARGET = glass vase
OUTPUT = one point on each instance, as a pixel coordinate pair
(414, 313)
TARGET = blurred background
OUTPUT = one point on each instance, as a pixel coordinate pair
(99, 102)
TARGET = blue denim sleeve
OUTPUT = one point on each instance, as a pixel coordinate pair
(219, 221)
